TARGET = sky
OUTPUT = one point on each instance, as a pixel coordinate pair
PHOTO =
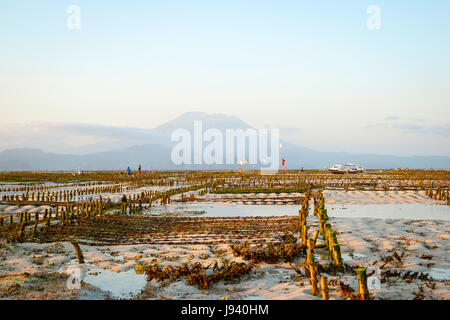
(314, 69)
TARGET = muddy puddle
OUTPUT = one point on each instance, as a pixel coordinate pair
(122, 285)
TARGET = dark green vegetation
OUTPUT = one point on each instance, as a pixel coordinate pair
(259, 190)
(197, 275)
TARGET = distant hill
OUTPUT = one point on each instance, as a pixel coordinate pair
(34, 159)
(156, 154)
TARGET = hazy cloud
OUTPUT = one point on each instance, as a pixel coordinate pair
(416, 125)
(290, 131)
(392, 118)
(73, 137)
(100, 131)
(441, 130)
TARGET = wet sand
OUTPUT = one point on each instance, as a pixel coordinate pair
(109, 271)
(47, 271)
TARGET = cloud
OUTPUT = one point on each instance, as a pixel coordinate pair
(74, 137)
(290, 130)
(285, 130)
(392, 118)
(417, 126)
(99, 131)
(441, 130)
(409, 126)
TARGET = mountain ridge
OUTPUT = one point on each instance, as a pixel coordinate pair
(154, 151)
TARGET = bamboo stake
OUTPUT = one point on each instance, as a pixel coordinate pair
(310, 256)
(362, 280)
(78, 251)
(21, 230)
(315, 236)
(324, 287)
(313, 279)
(36, 221)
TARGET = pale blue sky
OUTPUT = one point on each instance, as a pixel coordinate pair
(310, 65)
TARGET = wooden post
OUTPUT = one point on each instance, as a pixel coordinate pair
(47, 223)
(313, 279)
(324, 287)
(21, 230)
(310, 256)
(304, 234)
(362, 280)
(36, 221)
(322, 228)
(78, 251)
(336, 250)
(315, 236)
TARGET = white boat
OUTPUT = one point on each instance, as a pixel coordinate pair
(346, 168)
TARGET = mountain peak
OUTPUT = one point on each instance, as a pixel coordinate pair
(217, 121)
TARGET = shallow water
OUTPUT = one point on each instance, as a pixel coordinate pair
(439, 274)
(381, 211)
(391, 211)
(120, 285)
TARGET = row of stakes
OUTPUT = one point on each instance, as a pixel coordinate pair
(334, 250)
(331, 243)
(68, 195)
(130, 205)
(310, 243)
(345, 184)
(439, 194)
(63, 214)
(62, 195)
(49, 187)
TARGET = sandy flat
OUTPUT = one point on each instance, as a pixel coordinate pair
(109, 270)
(378, 197)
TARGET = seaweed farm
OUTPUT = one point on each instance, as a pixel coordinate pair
(225, 235)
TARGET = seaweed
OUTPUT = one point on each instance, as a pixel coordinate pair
(199, 275)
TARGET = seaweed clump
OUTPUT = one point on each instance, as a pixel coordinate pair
(199, 275)
(268, 253)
